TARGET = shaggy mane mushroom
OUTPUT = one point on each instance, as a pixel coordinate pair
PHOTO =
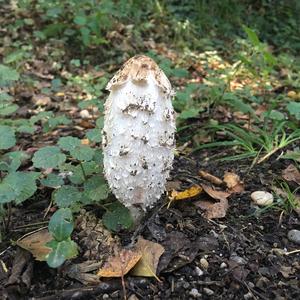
(138, 134)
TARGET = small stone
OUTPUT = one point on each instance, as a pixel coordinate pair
(262, 282)
(262, 198)
(84, 114)
(204, 263)
(133, 297)
(214, 234)
(195, 293)
(248, 296)
(105, 296)
(223, 265)
(186, 285)
(239, 260)
(294, 236)
(208, 291)
(199, 272)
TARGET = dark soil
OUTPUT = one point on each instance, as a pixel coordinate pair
(237, 257)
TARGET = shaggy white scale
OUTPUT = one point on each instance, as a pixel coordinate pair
(138, 134)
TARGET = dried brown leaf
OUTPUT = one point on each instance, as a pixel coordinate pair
(215, 194)
(151, 252)
(291, 173)
(120, 264)
(173, 185)
(233, 182)
(211, 178)
(36, 242)
(213, 210)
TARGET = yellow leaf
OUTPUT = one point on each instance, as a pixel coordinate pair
(191, 192)
(293, 95)
(147, 265)
(85, 142)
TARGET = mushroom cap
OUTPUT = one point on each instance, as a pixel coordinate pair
(138, 69)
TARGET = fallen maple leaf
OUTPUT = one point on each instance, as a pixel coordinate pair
(120, 264)
(151, 252)
(35, 244)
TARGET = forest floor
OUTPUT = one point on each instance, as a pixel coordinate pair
(217, 243)
(245, 255)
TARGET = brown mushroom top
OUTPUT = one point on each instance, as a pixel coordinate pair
(137, 69)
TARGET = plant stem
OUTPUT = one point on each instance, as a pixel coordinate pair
(268, 155)
(83, 172)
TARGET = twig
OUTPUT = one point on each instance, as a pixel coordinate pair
(1, 253)
(292, 252)
(31, 225)
(32, 232)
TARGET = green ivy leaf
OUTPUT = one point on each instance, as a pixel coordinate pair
(94, 135)
(8, 138)
(100, 122)
(14, 56)
(7, 108)
(4, 97)
(19, 186)
(66, 196)
(13, 160)
(276, 115)
(237, 104)
(7, 75)
(98, 157)
(95, 188)
(52, 180)
(91, 103)
(60, 252)
(83, 153)
(42, 116)
(294, 109)
(26, 129)
(61, 224)
(54, 122)
(189, 113)
(181, 73)
(80, 20)
(85, 34)
(117, 218)
(69, 143)
(7, 194)
(78, 176)
(48, 157)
